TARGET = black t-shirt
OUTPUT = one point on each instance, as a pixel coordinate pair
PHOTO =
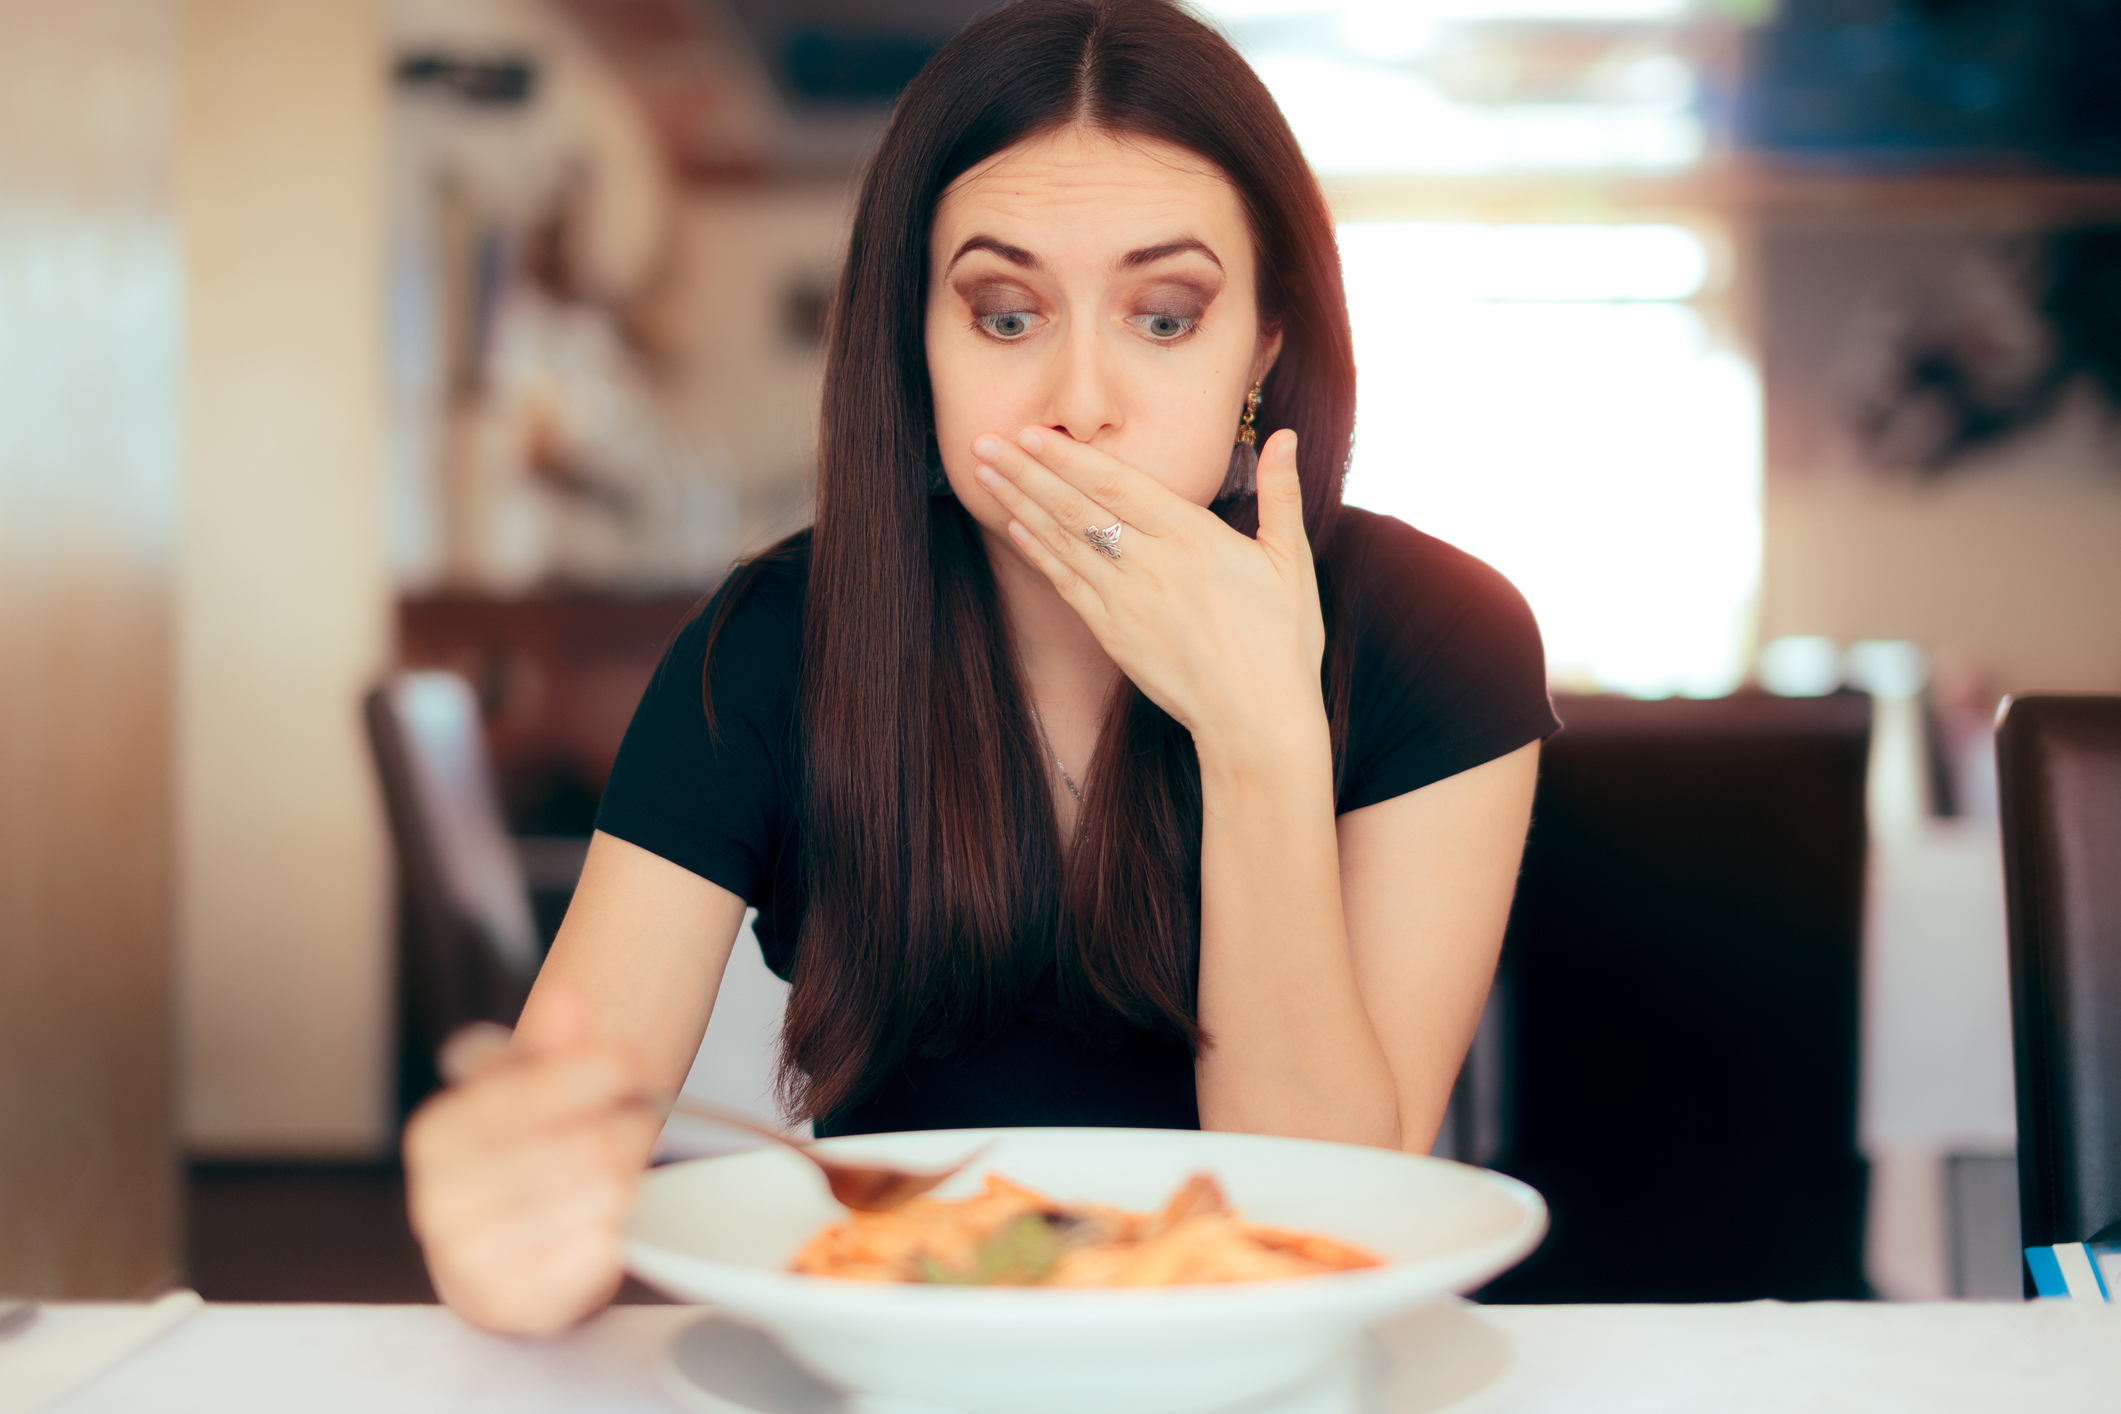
(1448, 673)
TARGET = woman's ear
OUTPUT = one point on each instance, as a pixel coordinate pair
(1269, 351)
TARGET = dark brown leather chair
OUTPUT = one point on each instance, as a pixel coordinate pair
(1678, 1002)
(468, 944)
(2059, 766)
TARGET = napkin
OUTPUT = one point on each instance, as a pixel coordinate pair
(70, 1344)
(2076, 1271)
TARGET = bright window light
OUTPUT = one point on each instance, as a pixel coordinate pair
(1358, 118)
(1544, 398)
(1376, 87)
(1455, 262)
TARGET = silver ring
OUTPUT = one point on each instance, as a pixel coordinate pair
(1106, 540)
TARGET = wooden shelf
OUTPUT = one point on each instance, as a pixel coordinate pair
(1735, 186)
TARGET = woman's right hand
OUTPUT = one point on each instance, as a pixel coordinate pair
(519, 1176)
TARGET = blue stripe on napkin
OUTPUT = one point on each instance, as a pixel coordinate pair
(2047, 1274)
(2068, 1271)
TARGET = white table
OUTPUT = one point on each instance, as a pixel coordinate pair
(1830, 1357)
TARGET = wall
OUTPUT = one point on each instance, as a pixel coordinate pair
(745, 375)
(2009, 563)
(2014, 567)
(90, 329)
(283, 614)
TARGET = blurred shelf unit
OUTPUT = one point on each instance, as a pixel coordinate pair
(1738, 187)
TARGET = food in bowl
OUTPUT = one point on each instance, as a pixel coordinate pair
(721, 1230)
(1012, 1235)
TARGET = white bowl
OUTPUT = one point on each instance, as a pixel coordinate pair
(722, 1230)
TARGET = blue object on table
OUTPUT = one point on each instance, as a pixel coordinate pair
(2074, 1271)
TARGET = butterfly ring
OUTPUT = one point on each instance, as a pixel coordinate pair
(1106, 540)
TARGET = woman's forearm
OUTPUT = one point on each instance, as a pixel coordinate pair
(1293, 1049)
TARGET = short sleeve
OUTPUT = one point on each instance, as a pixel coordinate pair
(715, 800)
(1449, 671)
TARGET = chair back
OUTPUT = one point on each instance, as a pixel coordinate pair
(2058, 760)
(1678, 1002)
(468, 941)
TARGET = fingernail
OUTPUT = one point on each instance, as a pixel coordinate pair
(1022, 535)
(1029, 440)
(1288, 448)
(988, 447)
(988, 476)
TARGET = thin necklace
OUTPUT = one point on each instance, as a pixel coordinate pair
(1066, 779)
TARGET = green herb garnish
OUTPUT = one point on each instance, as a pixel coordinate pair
(1021, 1254)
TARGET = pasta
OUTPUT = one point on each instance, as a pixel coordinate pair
(1010, 1235)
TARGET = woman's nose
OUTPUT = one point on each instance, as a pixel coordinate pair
(1084, 396)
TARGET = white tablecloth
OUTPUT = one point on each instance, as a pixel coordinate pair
(1938, 1359)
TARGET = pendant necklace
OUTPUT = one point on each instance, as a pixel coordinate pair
(1066, 779)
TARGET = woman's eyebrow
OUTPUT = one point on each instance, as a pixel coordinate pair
(1150, 254)
(1014, 254)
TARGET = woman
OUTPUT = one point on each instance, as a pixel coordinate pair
(1087, 762)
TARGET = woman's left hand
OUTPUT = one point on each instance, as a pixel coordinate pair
(1221, 630)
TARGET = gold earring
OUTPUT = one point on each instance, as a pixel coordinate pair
(1242, 477)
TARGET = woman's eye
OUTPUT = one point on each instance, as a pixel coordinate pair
(1013, 324)
(1165, 328)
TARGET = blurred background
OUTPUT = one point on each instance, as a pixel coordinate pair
(1772, 349)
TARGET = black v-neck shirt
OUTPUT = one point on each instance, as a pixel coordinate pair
(1448, 674)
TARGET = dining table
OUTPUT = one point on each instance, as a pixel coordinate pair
(187, 1357)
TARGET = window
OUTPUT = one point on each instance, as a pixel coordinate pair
(1554, 400)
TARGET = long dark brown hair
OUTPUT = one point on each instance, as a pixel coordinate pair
(937, 891)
